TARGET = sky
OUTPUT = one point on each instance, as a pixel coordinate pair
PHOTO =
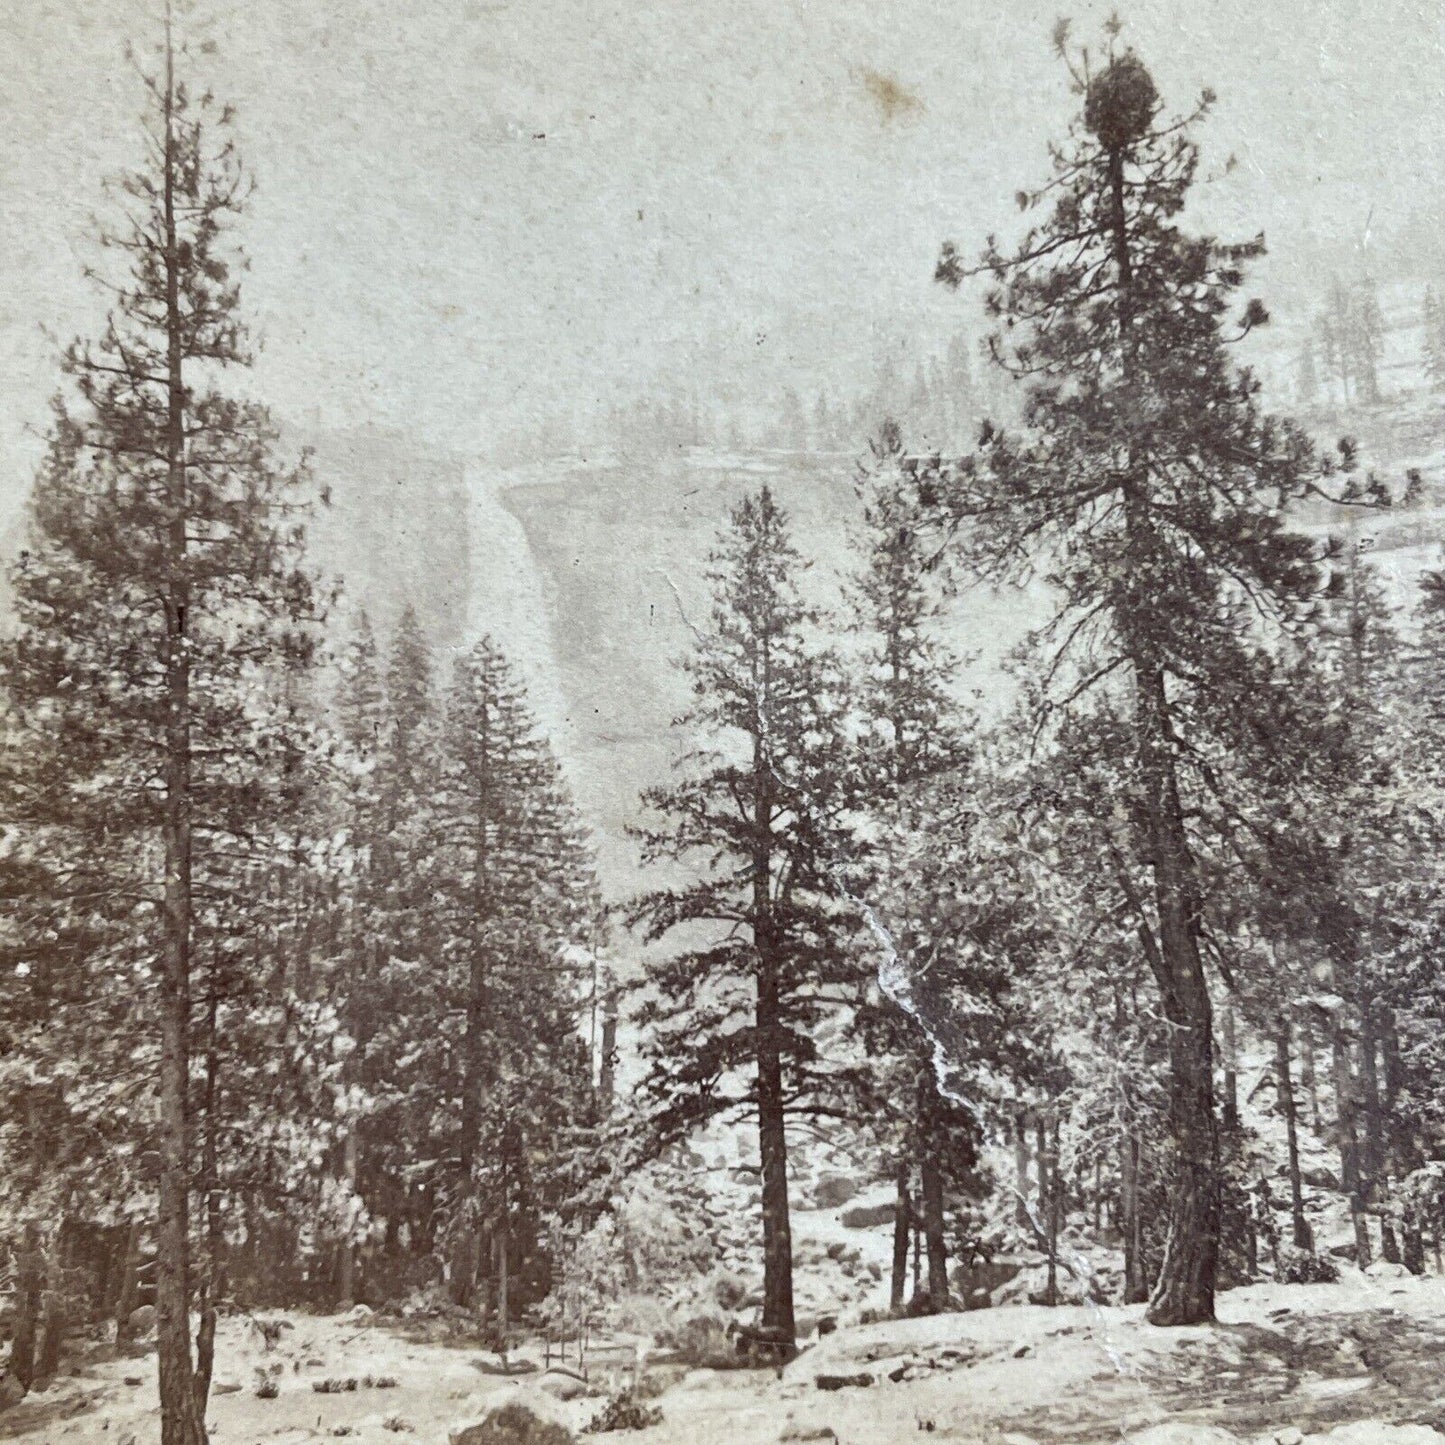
(472, 212)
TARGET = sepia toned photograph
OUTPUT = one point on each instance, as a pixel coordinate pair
(722, 724)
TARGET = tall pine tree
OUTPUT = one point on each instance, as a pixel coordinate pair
(1149, 483)
(160, 586)
(915, 731)
(759, 821)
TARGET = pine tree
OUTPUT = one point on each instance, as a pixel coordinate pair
(1368, 338)
(361, 698)
(1147, 476)
(914, 732)
(733, 1021)
(515, 899)
(399, 1006)
(1357, 654)
(160, 584)
(1433, 344)
(361, 724)
(1336, 330)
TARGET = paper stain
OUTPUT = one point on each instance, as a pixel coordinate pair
(893, 99)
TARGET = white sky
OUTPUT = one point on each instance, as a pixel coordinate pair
(719, 196)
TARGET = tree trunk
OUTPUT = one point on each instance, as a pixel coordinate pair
(504, 1282)
(129, 1276)
(1231, 1072)
(1307, 1069)
(205, 1351)
(1055, 1214)
(1376, 1154)
(1136, 1284)
(52, 1327)
(29, 1287)
(935, 1241)
(346, 1273)
(1347, 1137)
(773, 1149)
(1021, 1169)
(181, 1422)
(778, 1319)
(1043, 1219)
(213, 1285)
(930, 1178)
(1404, 1156)
(1284, 1089)
(902, 1219)
(1184, 1291)
(607, 1083)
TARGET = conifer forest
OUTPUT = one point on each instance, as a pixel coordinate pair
(764, 887)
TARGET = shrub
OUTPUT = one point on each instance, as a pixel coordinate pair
(623, 1412)
(1299, 1266)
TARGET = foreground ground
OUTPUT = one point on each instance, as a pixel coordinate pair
(1360, 1361)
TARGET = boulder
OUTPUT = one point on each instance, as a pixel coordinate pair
(867, 1216)
(987, 1275)
(843, 1382)
(702, 1340)
(142, 1321)
(1386, 1269)
(832, 1191)
(1318, 1177)
(513, 1418)
(562, 1384)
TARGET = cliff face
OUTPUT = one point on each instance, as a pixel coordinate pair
(395, 531)
(620, 554)
(591, 575)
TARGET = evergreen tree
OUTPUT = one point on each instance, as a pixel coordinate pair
(1368, 337)
(914, 732)
(1336, 330)
(1433, 344)
(160, 584)
(515, 902)
(361, 724)
(400, 1007)
(1147, 476)
(732, 1024)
